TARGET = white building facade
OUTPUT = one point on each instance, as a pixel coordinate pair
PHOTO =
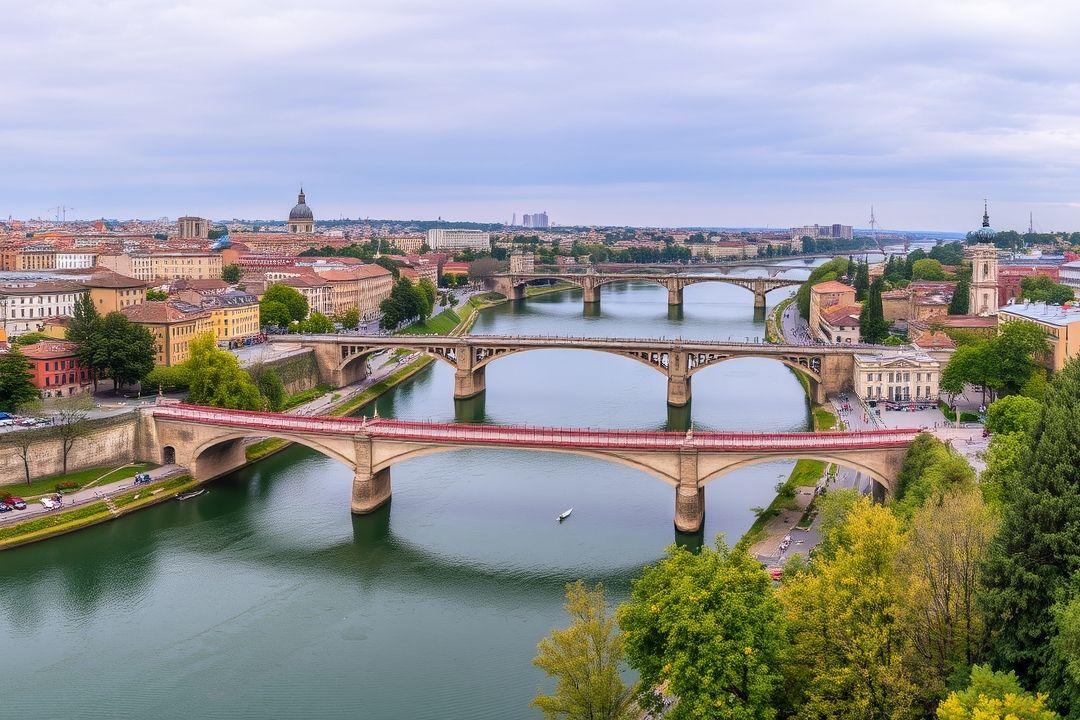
(25, 304)
(900, 376)
(75, 260)
(454, 239)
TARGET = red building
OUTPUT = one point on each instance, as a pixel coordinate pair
(56, 370)
(1009, 277)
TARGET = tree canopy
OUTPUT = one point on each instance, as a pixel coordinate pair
(1043, 288)
(216, 378)
(281, 305)
(15, 386)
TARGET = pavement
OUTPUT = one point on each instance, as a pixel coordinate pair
(87, 495)
(794, 329)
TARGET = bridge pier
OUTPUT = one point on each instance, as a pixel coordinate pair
(759, 299)
(689, 498)
(370, 491)
(591, 294)
(678, 390)
(674, 296)
(469, 383)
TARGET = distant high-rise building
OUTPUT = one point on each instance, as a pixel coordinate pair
(535, 220)
(456, 239)
(836, 231)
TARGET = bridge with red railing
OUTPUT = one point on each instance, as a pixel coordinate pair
(210, 442)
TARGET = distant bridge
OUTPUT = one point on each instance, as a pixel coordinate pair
(210, 442)
(512, 285)
(340, 358)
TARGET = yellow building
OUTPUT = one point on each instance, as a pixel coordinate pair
(360, 288)
(110, 291)
(1061, 323)
(234, 316)
(165, 265)
(174, 324)
(823, 296)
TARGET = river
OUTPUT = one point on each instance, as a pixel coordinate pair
(265, 598)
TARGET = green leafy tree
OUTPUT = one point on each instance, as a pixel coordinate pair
(271, 387)
(231, 273)
(317, 323)
(1037, 551)
(123, 350)
(927, 269)
(939, 563)
(846, 654)
(1006, 462)
(15, 386)
(1043, 288)
(405, 302)
(994, 696)
(296, 305)
(872, 325)
(1014, 413)
(430, 293)
(930, 471)
(976, 364)
(348, 319)
(862, 280)
(155, 294)
(709, 626)
(168, 378)
(29, 339)
(217, 379)
(1015, 348)
(959, 303)
(85, 331)
(585, 659)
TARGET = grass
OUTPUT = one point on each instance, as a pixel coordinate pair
(259, 450)
(805, 472)
(52, 522)
(949, 413)
(143, 493)
(824, 419)
(78, 479)
(441, 324)
(305, 396)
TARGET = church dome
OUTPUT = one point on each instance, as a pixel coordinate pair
(301, 211)
(985, 233)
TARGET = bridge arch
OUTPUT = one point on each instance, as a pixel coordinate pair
(409, 452)
(225, 452)
(842, 460)
(345, 369)
(657, 360)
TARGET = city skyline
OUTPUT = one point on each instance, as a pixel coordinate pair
(616, 115)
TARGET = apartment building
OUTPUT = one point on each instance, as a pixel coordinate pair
(174, 324)
(25, 304)
(164, 265)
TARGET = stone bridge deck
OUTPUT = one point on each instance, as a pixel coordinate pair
(209, 442)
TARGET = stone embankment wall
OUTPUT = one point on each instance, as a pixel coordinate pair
(110, 441)
(298, 372)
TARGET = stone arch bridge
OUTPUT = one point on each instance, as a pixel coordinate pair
(341, 358)
(210, 442)
(512, 285)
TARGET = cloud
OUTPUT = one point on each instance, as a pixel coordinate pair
(599, 112)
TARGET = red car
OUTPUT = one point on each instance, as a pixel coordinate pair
(16, 502)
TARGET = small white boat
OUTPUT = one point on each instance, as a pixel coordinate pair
(192, 494)
(565, 514)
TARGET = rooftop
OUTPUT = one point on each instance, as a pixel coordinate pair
(831, 286)
(1057, 315)
(162, 312)
(47, 349)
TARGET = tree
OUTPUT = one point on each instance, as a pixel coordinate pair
(831, 270)
(585, 661)
(959, 304)
(872, 325)
(1015, 349)
(1042, 288)
(154, 294)
(296, 305)
(406, 302)
(271, 387)
(231, 273)
(429, 291)
(846, 657)
(71, 419)
(348, 319)
(975, 364)
(1037, 551)
(994, 696)
(124, 350)
(217, 379)
(709, 625)
(168, 378)
(29, 339)
(317, 323)
(15, 386)
(862, 280)
(939, 563)
(84, 330)
(1011, 414)
(485, 268)
(927, 269)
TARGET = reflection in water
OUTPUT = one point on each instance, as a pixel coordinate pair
(674, 312)
(267, 598)
(759, 315)
(591, 309)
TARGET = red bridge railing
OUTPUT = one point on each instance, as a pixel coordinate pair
(454, 433)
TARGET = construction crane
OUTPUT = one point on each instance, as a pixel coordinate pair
(61, 212)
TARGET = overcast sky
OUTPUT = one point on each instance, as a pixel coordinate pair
(622, 112)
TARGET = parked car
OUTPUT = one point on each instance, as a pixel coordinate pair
(142, 479)
(47, 503)
(16, 502)
(4, 507)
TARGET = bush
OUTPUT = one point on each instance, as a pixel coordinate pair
(168, 379)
